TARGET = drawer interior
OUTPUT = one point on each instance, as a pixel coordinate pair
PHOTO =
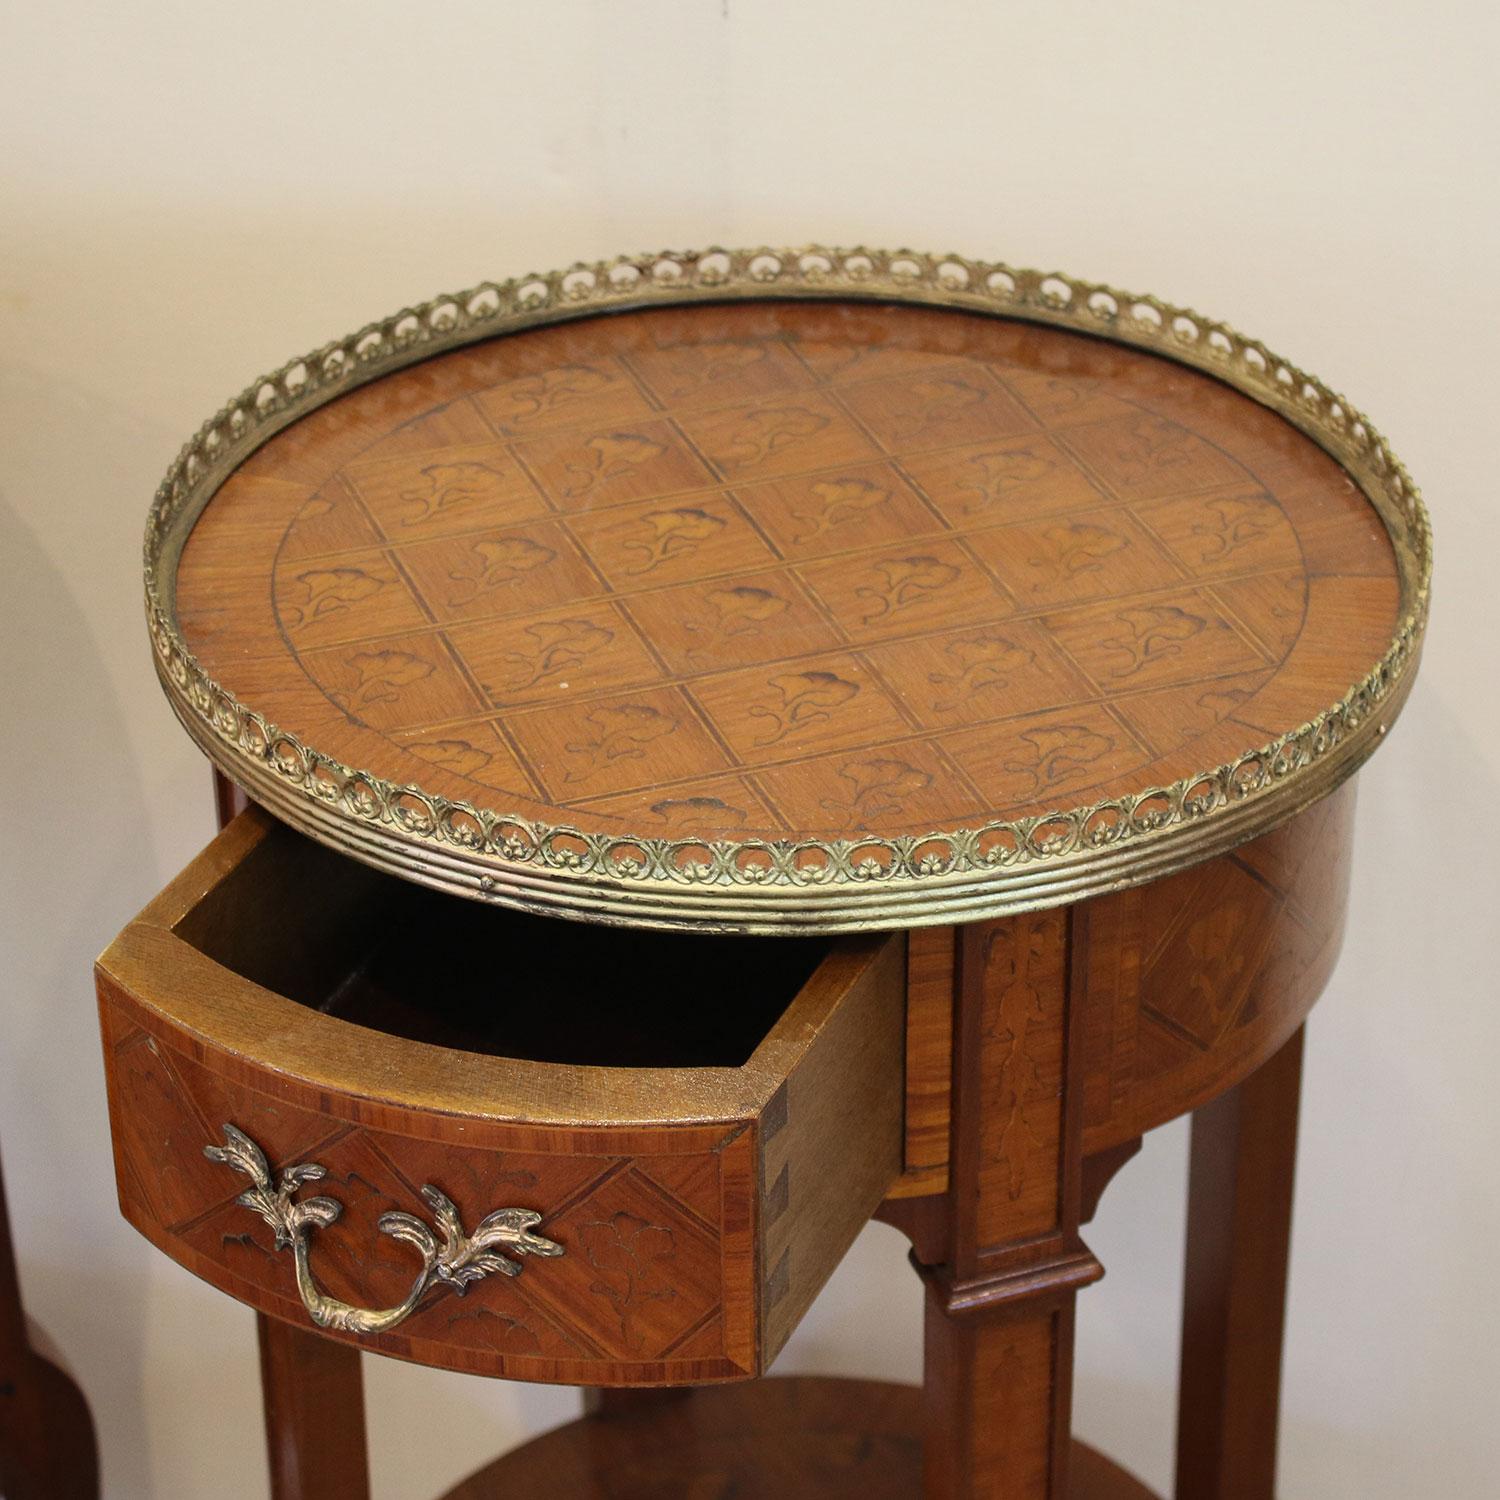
(330, 934)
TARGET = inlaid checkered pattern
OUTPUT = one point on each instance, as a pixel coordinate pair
(796, 569)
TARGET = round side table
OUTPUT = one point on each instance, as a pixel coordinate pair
(939, 686)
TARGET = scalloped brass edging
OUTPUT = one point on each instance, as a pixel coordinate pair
(780, 886)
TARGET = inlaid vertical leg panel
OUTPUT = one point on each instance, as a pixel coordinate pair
(999, 1319)
(1239, 1234)
(997, 1403)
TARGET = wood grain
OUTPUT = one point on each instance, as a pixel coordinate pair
(788, 570)
(1205, 975)
(1189, 985)
(701, 1207)
(999, 1308)
(839, 1150)
(799, 1438)
(1036, 1052)
(1234, 1301)
(929, 1059)
(48, 1450)
(314, 1408)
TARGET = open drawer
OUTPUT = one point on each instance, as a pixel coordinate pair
(687, 1132)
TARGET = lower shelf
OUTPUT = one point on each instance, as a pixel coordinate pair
(795, 1438)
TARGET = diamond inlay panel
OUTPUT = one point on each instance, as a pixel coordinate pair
(751, 442)
(642, 1273)
(652, 1222)
(568, 394)
(771, 715)
(349, 598)
(962, 404)
(979, 673)
(582, 470)
(889, 594)
(395, 683)
(455, 489)
(1154, 641)
(661, 542)
(1008, 480)
(733, 621)
(615, 744)
(819, 515)
(501, 572)
(549, 657)
(1075, 558)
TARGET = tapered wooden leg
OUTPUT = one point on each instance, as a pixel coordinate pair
(997, 1393)
(998, 1396)
(315, 1415)
(1238, 1237)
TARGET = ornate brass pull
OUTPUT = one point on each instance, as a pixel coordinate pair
(459, 1260)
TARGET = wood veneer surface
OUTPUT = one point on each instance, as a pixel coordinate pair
(777, 1439)
(1189, 985)
(788, 569)
(700, 1202)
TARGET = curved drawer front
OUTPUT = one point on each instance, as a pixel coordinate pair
(591, 1223)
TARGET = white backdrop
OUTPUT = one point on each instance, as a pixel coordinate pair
(193, 192)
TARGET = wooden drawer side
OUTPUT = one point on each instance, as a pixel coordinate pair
(831, 1143)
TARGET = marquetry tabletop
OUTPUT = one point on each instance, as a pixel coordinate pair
(802, 602)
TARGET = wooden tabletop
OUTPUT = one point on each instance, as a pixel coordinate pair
(788, 571)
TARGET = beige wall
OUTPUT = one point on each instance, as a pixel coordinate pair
(191, 192)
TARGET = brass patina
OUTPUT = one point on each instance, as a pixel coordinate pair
(813, 884)
(460, 1259)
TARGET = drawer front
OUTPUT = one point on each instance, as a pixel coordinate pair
(658, 1226)
(672, 1249)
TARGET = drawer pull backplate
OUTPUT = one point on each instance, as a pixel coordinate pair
(459, 1259)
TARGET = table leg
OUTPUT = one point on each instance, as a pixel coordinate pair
(314, 1400)
(997, 1393)
(1238, 1236)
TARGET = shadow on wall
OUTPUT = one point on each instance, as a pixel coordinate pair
(124, 328)
(75, 833)
(78, 856)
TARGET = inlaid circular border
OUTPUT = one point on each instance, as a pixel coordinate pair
(763, 885)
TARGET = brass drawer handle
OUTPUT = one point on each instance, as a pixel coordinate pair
(459, 1260)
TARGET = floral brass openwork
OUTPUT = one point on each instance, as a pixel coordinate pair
(835, 884)
(459, 1260)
